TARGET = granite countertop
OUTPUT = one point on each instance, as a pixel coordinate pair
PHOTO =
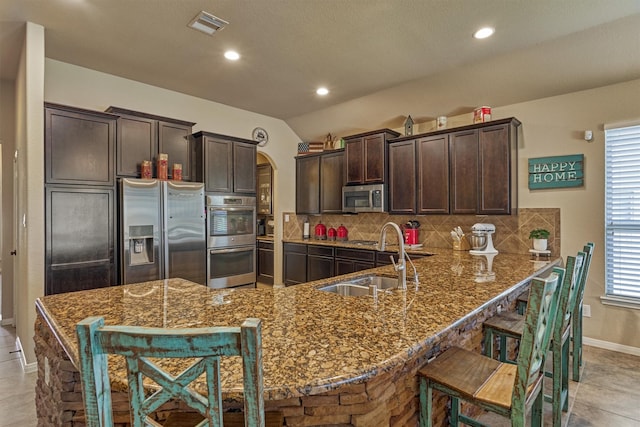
(313, 341)
(370, 245)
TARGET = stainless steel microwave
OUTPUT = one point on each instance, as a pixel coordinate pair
(363, 198)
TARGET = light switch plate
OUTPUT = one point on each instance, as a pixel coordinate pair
(586, 310)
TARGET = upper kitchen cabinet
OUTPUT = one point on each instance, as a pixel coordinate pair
(142, 136)
(319, 181)
(265, 183)
(419, 175)
(365, 156)
(466, 170)
(79, 146)
(484, 168)
(225, 164)
(402, 177)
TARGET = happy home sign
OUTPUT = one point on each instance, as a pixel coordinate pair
(556, 172)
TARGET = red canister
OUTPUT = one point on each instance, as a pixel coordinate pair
(163, 166)
(145, 169)
(482, 114)
(343, 234)
(320, 231)
(331, 233)
(177, 172)
(411, 236)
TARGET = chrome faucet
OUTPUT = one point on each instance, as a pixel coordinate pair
(400, 266)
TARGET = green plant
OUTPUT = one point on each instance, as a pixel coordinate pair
(539, 233)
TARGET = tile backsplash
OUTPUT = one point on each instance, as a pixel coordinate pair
(512, 231)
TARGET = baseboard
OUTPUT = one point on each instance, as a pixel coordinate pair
(26, 367)
(5, 322)
(611, 346)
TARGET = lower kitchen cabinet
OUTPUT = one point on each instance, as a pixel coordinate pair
(80, 238)
(294, 258)
(265, 262)
(308, 262)
(351, 260)
(319, 262)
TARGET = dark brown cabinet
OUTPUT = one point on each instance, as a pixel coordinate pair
(265, 264)
(79, 146)
(294, 259)
(402, 177)
(433, 175)
(484, 168)
(79, 199)
(79, 238)
(365, 156)
(351, 260)
(464, 171)
(224, 163)
(419, 175)
(468, 170)
(319, 262)
(319, 181)
(307, 262)
(142, 136)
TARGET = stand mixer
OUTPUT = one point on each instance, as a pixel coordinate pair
(480, 239)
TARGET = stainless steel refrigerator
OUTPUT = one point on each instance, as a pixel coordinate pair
(162, 227)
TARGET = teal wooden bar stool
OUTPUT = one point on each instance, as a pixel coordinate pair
(576, 317)
(512, 325)
(203, 346)
(503, 388)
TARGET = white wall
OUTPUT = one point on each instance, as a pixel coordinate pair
(29, 263)
(7, 138)
(553, 127)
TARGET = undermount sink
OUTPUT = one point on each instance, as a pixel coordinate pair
(361, 286)
(381, 282)
(346, 289)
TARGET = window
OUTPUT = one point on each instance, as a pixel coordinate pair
(622, 215)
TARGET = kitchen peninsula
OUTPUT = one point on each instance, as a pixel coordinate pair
(328, 359)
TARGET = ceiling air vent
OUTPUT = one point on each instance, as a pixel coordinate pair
(207, 23)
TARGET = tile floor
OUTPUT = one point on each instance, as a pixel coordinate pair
(608, 395)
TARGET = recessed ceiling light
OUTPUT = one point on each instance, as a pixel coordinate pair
(483, 33)
(207, 23)
(232, 55)
(322, 91)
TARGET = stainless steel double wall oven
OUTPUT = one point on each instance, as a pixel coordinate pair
(231, 241)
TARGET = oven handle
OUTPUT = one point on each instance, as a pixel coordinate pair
(229, 251)
(217, 208)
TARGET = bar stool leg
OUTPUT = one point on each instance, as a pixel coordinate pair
(455, 411)
(426, 403)
(576, 325)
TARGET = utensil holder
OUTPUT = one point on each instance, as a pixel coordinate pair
(462, 245)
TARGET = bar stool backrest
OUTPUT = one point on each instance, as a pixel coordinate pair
(539, 321)
(571, 282)
(203, 346)
(588, 250)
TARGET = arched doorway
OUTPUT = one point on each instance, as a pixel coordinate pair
(265, 210)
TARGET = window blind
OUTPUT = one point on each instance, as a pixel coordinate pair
(622, 211)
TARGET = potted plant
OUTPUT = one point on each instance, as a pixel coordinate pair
(539, 236)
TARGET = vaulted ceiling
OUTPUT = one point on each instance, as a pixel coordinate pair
(381, 60)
